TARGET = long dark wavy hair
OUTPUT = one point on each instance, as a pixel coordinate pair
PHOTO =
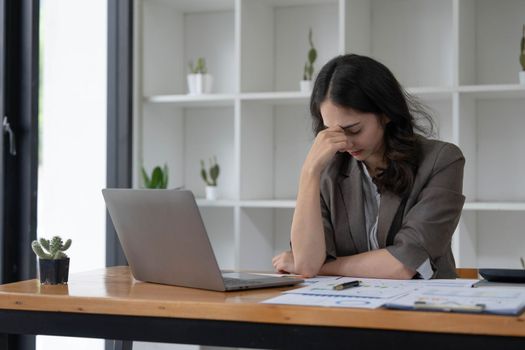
(365, 85)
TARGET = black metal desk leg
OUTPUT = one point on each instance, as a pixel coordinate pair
(4, 342)
(123, 345)
(16, 342)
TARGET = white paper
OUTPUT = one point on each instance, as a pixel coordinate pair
(326, 301)
(376, 288)
(499, 301)
(370, 294)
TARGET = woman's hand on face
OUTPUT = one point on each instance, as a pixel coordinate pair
(284, 263)
(326, 144)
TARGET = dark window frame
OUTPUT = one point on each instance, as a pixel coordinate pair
(19, 75)
(120, 110)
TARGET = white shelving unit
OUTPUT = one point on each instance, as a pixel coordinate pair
(459, 56)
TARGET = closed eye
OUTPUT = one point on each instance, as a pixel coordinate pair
(350, 131)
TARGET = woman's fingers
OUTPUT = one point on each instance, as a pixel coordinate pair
(281, 262)
(327, 143)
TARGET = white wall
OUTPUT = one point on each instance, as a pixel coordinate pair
(73, 137)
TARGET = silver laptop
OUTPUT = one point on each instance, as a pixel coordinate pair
(165, 241)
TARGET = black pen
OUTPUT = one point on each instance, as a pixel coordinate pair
(347, 285)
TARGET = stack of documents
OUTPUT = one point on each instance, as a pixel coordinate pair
(455, 295)
(486, 300)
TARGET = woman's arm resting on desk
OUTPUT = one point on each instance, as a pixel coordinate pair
(307, 233)
(307, 237)
(373, 264)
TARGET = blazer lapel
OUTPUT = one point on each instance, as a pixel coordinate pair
(387, 211)
(351, 189)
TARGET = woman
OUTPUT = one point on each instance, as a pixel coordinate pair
(375, 199)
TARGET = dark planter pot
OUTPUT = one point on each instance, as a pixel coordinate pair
(53, 271)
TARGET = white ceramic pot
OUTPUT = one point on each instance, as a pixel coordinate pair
(199, 84)
(522, 77)
(211, 192)
(306, 86)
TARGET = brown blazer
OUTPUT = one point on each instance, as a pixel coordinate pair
(412, 229)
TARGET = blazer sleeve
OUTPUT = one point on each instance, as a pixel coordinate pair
(428, 226)
(329, 235)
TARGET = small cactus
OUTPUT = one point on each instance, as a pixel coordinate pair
(522, 50)
(158, 179)
(312, 56)
(51, 249)
(213, 172)
(200, 66)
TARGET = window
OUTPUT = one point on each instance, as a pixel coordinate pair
(72, 136)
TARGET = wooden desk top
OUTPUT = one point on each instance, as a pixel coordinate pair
(114, 291)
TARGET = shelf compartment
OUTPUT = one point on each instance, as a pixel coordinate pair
(500, 239)
(274, 143)
(194, 29)
(274, 41)
(441, 113)
(489, 37)
(421, 32)
(219, 223)
(181, 137)
(491, 138)
(264, 232)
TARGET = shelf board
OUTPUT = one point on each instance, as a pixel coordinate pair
(302, 98)
(199, 6)
(503, 206)
(285, 3)
(431, 92)
(493, 91)
(270, 203)
(204, 100)
(282, 97)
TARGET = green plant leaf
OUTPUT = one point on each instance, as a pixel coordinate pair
(203, 173)
(522, 52)
(164, 183)
(44, 243)
(37, 249)
(214, 174)
(156, 177)
(312, 56)
(55, 245)
(145, 178)
(59, 255)
(66, 245)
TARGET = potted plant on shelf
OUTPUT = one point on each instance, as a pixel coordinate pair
(306, 83)
(158, 178)
(522, 57)
(199, 81)
(210, 178)
(53, 263)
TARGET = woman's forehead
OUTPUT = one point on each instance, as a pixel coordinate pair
(342, 116)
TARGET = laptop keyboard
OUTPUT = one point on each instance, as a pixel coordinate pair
(236, 282)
